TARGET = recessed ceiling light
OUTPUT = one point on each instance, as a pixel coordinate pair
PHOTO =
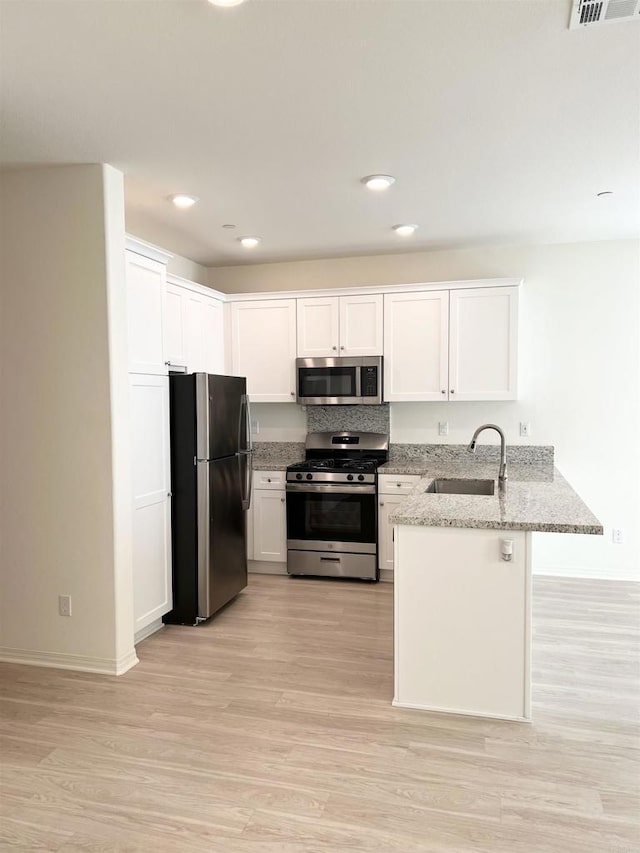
(226, 2)
(378, 182)
(604, 193)
(404, 230)
(183, 201)
(249, 242)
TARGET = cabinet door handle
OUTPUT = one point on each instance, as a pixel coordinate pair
(168, 363)
(169, 494)
(334, 348)
(341, 347)
(443, 391)
(293, 393)
(381, 503)
(281, 500)
(268, 479)
(452, 391)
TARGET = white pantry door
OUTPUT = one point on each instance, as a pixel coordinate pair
(152, 593)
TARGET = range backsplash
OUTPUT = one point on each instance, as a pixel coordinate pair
(348, 418)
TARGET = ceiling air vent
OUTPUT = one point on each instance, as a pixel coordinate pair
(586, 13)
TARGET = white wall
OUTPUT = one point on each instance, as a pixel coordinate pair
(63, 525)
(579, 372)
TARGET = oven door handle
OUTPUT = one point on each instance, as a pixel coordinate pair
(335, 490)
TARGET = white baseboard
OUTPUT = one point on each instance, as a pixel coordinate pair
(413, 707)
(147, 631)
(79, 663)
(597, 573)
(266, 567)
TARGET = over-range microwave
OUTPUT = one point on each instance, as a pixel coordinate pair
(339, 381)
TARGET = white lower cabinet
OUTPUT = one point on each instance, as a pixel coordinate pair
(269, 525)
(267, 522)
(151, 481)
(392, 490)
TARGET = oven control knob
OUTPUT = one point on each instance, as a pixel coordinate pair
(349, 476)
(309, 476)
(298, 476)
(361, 476)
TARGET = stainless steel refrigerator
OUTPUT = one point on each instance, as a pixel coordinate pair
(211, 487)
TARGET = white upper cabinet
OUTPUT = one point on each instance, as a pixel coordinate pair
(145, 314)
(194, 330)
(415, 345)
(361, 325)
(174, 326)
(263, 348)
(318, 327)
(340, 325)
(212, 336)
(483, 344)
(451, 345)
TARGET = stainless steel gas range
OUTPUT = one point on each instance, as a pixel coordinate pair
(332, 517)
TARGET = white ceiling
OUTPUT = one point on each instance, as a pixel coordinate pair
(499, 123)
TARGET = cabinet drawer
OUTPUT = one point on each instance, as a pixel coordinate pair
(396, 484)
(269, 479)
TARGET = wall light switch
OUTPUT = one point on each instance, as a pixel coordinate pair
(443, 427)
(617, 536)
(525, 429)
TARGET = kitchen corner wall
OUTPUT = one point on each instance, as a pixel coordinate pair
(65, 491)
(579, 373)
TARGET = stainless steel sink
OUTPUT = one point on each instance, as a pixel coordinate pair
(462, 487)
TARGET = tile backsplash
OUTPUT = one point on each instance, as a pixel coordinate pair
(348, 418)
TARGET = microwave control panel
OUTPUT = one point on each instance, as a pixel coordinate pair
(369, 381)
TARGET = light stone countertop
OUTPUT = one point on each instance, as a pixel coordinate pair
(276, 455)
(537, 498)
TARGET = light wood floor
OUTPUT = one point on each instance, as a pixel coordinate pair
(270, 729)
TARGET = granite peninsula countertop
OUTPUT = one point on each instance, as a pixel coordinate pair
(537, 498)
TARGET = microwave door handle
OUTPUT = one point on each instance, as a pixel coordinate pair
(358, 382)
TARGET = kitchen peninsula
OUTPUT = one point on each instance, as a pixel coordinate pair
(462, 594)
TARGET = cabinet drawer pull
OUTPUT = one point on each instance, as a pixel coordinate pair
(399, 485)
(329, 559)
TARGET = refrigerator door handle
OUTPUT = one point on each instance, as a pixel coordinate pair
(247, 479)
(244, 426)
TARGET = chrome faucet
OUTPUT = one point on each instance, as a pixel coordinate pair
(502, 473)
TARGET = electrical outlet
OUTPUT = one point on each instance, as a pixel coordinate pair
(64, 605)
(443, 427)
(525, 429)
(255, 427)
(617, 536)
